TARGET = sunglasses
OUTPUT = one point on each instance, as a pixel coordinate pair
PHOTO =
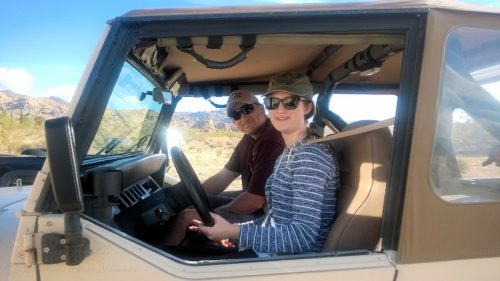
(245, 110)
(289, 103)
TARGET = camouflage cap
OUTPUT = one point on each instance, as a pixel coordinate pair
(239, 96)
(291, 82)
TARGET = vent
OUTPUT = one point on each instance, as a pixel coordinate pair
(136, 193)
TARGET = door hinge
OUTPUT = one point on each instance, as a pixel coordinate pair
(56, 248)
(52, 248)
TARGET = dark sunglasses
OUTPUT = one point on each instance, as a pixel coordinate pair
(245, 110)
(289, 103)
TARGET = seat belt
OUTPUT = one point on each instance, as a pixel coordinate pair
(356, 131)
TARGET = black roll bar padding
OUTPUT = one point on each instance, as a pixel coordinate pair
(215, 42)
(323, 111)
(322, 57)
(373, 56)
(216, 105)
(207, 97)
(185, 45)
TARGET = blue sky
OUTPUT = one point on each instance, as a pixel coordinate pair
(45, 44)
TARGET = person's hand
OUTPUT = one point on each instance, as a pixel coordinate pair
(222, 229)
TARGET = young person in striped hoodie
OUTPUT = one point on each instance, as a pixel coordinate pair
(301, 191)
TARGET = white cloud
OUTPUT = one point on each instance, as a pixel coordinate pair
(64, 92)
(132, 99)
(17, 80)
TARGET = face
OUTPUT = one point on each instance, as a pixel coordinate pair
(289, 121)
(250, 123)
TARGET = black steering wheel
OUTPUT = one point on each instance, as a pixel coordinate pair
(193, 186)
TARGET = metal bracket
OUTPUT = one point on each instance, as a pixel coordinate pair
(55, 249)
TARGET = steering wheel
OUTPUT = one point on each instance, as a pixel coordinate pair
(193, 186)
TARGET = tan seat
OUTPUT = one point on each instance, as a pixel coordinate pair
(364, 160)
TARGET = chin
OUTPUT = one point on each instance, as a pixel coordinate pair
(249, 131)
(280, 129)
(279, 125)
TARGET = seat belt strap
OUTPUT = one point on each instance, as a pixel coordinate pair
(356, 131)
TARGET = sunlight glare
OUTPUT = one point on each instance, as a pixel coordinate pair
(174, 138)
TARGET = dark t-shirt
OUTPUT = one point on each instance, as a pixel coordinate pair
(254, 159)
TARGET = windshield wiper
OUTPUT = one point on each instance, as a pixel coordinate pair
(110, 146)
(138, 144)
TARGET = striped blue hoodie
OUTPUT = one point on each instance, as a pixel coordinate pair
(301, 201)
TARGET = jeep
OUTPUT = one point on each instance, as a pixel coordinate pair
(420, 194)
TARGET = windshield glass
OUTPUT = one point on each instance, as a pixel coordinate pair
(129, 118)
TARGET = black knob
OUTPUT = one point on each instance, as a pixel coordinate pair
(161, 214)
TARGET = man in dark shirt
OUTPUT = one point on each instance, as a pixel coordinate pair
(253, 159)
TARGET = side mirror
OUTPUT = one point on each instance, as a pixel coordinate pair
(64, 173)
(64, 169)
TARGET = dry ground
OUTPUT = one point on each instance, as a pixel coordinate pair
(471, 168)
(209, 154)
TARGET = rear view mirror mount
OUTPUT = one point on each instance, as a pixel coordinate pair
(159, 96)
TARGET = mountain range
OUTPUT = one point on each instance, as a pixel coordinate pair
(40, 109)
